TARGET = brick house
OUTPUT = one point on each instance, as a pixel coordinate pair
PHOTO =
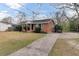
(46, 25)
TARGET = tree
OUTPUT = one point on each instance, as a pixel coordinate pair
(34, 13)
(74, 7)
(21, 16)
(7, 20)
(64, 7)
(21, 19)
(57, 16)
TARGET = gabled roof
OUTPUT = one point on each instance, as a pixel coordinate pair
(37, 21)
(41, 21)
(44, 20)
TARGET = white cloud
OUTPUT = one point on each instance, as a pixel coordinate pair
(3, 14)
(14, 5)
(4, 11)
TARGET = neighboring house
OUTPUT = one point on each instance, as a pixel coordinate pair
(4, 26)
(46, 25)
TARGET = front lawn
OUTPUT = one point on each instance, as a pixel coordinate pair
(62, 48)
(13, 41)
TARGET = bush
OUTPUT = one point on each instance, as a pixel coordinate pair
(37, 30)
(18, 28)
(58, 28)
(10, 29)
(73, 26)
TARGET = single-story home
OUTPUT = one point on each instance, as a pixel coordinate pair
(46, 25)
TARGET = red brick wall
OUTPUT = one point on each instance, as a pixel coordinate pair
(48, 27)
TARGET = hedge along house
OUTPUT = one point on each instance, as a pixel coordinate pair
(46, 25)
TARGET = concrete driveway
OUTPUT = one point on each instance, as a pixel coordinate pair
(40, 47)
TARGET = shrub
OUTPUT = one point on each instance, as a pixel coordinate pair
(10, 29)
(18, 28)
(37, 30)
(58, 28)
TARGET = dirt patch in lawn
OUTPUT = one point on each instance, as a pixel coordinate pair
(69, 35)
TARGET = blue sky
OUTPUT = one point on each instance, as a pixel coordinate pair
(10, 9)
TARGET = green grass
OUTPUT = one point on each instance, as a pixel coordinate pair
(13, 41)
